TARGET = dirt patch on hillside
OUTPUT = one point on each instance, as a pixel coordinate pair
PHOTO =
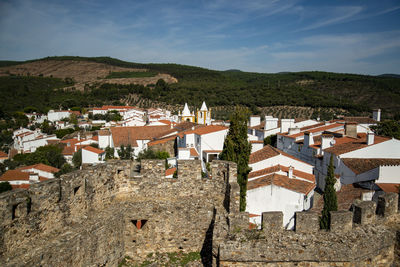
(82, 72)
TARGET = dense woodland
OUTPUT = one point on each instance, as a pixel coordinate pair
(354, 93)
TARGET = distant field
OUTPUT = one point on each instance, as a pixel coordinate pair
(131, 74)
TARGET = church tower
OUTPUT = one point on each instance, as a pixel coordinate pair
(204, 115)
(186, 115)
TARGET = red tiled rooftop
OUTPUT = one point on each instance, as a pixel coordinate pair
(389, 188)
(354, 144)
(14, 175)
(41, 167)
(207, 129)
(317, 129)
(292, 184)
(307, 176)
(170, 171)
(128, 135)
(3, 155)
(265, 153)
(93, 149)
(361, 165)
(193, 152)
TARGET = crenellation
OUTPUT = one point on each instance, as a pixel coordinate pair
(307, 222)
(101, 214)
(387, 204)
(341, 221)
(364, 212)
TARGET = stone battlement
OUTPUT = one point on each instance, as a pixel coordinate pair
(99, 215)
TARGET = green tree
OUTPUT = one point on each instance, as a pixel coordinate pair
(237, 149)
(77, 158)
(270, 140)
(64, 169)
(389, 128)
(5, 186)
(109, 153)
(330, 198)
(125, 153)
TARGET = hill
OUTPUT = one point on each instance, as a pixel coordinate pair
(351, 92)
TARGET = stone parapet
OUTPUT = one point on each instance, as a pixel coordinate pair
(307, 222)
(364, 212)
(387, 204)
(272, 221)
(341, 221)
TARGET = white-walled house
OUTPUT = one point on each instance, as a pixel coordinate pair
(208, 141)
(41, 169)
(278, 182)
(92, 155)
(57, 115)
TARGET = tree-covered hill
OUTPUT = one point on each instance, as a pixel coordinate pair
(355, 93)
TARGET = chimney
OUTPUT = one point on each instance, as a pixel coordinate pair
(350, 129)
(295, 130)
(376, 114)
(286, 124)
(327, 140)
(254, 121)
(79, 136)
(290, 172)
(270, 123)
(370, 138)
(33, 177)
(68, 144)
(308, 139)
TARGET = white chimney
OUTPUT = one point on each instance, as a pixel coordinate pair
(270, 123)
(295, 130)
(286, 124)
(308, 139)
(33, 177)
(79, 136)
(327, 140)
(376, 114)
(290, 172)
(370, 138)
(254, 121)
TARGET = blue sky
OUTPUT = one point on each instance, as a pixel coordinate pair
(251, 35)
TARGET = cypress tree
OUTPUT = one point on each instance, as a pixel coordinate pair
(237, 149)
(330, 199)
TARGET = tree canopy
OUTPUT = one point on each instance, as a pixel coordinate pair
(238, 149)
(330, 198)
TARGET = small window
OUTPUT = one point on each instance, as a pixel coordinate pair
(139, 224)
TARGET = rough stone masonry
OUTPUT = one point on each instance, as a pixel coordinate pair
(98, 216)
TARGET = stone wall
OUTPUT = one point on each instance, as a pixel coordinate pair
(364, 237)
(98, 216)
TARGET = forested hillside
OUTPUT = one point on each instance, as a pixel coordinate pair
(355, 93)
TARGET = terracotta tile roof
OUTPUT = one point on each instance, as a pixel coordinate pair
(3, 155)
(20, 186)
(93, 149)
(170, 171)
(129, 135)
(389, 188)
(162, 141)
(104, 132)
(354, 144)
(317, 129)
(292, 184)
(251, 215)
(14, 175)
(212, 151)
(345, 197)
(305, 128)
(207, 129)
(257, 142)
(265, 153)
(361, 165)
(53, 142)
(307, 176)
(41, 167)
(193, 152)
(95, 138)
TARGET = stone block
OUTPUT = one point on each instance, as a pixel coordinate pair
(153, 168)
(272, 221)
(364, 212)
(307, 222)
(387, 204)
(341, 221)
(189, 169)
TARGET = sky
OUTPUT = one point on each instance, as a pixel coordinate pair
(251, 35)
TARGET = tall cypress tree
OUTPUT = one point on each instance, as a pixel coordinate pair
(330, 199)
(237, 149)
